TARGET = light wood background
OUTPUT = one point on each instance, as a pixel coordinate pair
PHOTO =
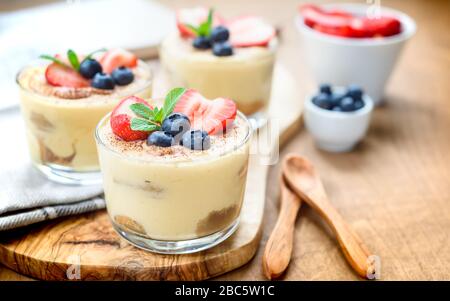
(394, 189)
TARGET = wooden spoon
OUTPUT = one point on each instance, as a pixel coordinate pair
(305, 182)
(277, 253)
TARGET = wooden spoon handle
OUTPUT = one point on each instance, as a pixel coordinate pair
(277, 253)
(351, 244)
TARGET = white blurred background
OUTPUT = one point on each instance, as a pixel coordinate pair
(84, 25)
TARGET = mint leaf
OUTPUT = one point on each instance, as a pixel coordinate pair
(73, 59)
(159, 114)
(209, 21)
(193, 28)
(53, 59)
(150, 120)
(141, 110)
(138, 124)
(205, 28)
(171, 100)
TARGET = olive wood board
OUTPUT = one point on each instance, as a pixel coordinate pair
(85, 247)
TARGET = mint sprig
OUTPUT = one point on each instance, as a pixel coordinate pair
(149, 120)
(53, 59)
(89, 56)
(205, 28)
(138, 124)
(72, 57)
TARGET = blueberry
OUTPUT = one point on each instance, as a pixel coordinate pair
(219, 34)
(196, 140)
(323, 101)
(201, 42)
(222, 49)
(325, 88)
(359, 104)
(355, 92)
(122, 76)
(337, 109)
(336, 98)
(103, 81)
(89, 68)
(176, 124)
(347, 104)
(159, 138)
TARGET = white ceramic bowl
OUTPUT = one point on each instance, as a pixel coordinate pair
(367, 62)
(337, 131)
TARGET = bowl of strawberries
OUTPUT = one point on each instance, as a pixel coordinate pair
(353, 43)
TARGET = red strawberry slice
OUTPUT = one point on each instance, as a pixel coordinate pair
(220, 114)
(121, 119)
(250, 31)
(212, 116)
(314, 15)
(117, 57)
(336, 31)
(194, 16)
(191, 103)
(382, 26)
(62, 76)
(338, 12)
(340, 23)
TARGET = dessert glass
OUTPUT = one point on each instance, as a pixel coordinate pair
(245, 76)
(367, 62)
(337, 131)
(175, 206)
(60, 132)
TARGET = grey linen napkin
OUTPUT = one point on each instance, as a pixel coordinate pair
(27, 197)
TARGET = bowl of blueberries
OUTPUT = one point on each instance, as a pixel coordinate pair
(338, 117)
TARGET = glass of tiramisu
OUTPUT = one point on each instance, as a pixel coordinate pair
(222, 58)
(174, 171)
(63, 100)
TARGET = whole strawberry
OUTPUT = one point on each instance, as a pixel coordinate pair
(121, 119)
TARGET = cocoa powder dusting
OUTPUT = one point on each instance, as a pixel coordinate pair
(219, 143)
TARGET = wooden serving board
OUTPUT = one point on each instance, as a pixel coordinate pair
(85, 247)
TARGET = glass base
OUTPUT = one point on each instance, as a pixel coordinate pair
(177, 247)
(336, 147)
(258, 119)
(64, 175)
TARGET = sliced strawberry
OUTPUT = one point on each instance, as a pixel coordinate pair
(62, 76)
(314, 15)
(338, 12)
(345, 31)
(221, 112)
(191, 103)
(194, 16)
(382, 26)
(250, 31)
(121, 120)
(117, 57)
(340, 23)
(212, 116)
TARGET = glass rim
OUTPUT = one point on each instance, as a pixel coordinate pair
(36, 63)
(208, 158)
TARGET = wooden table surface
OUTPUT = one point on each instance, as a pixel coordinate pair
(394, 189)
